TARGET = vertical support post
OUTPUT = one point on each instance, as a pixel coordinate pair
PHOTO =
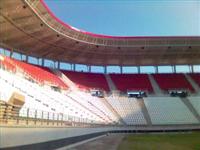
(156, 69)
(62, 120)
(38, 62)
(26, 58)
(73, 67)
(27, 116)
(105, 69)
(42, 117)
(53, 118)
(120, 69)
(58, 64)
(48, 118)
(138, 68)
(191, 68)
(42, 61)
(35, 117)
(173, 68)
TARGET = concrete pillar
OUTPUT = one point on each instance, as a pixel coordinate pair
(11, 53)
(38, 61)
(89, 68)
(26, 58)
(42, 62)
(58, 64)
(173, 68)
(138, 69)
(120, 69)
(105, 69)
(156, 69)
(73, 67)
(191, 68)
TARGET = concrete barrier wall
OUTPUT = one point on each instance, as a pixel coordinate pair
(51, 138)
(12, 136)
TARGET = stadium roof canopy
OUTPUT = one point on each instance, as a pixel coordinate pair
(29, 27)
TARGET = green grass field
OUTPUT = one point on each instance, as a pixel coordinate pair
(168, 141)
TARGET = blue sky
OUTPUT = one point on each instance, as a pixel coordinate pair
(131, 17)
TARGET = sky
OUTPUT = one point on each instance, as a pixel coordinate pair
(130, 17)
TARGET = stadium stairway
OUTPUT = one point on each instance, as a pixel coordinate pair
(64, 78)
(155, 86)
(193, 83)
(110, 107)
(110, 83)
(191, 108)
(144, 111)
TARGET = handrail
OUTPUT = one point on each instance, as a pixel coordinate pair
(15, 115)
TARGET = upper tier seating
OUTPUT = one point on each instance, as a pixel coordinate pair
(5, 62)
(136, 82)
(87, 81)
(38, 73)
(172, 82)
(196, 77)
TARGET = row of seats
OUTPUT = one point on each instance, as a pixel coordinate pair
(172, 81)
(40, 74)
(196, 77)
(132, 82)
(168, 110)
(49, 103)
(79, 105)
(129, 110)
(87, 81)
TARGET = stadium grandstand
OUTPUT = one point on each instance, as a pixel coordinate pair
(59, 86)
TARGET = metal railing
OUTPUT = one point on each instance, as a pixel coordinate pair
(15, 115)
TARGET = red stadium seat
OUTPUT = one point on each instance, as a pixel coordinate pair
(172, 82)
(137, 82)
(196, 77)
(5, 61)
(38, 73)
(87, 81)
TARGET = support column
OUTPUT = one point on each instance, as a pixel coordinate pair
(191, 68)
(42, 62)
(138, 69)
(58, 64)
(73, 67)
(105, 70)
(156, 69)
(89, 68)
(26, 59)
(21, 56)
(11, 53)
(38, 61)
(174, 69)
(120, 69)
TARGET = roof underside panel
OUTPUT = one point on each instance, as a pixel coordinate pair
(28, 27)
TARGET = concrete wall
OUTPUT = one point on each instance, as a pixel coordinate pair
(36, 138)
(12, 136)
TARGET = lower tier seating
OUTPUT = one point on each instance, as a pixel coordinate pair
(168, 110)
(44, 100)
(128, 109)
(195, 101)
